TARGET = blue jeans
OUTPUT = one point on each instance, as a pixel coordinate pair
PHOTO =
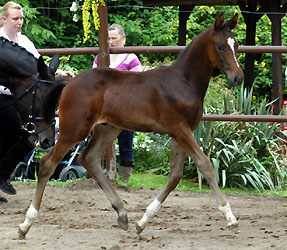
(125, 140)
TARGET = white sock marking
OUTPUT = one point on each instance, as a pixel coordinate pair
(231, 43)
(226, 210)
(31, 216)
(151, 210)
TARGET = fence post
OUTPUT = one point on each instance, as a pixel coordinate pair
(104, 60)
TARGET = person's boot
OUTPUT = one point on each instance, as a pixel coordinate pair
(125, 170)
(3, 200)
(6, 187)
(125, 173)
(10, 160)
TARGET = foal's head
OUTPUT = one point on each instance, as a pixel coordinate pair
(222, 49)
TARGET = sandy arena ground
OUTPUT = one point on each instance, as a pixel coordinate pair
(79, 216)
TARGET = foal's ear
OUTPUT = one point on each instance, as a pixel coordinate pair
(232, 22)
(54, 64)
(218, 25)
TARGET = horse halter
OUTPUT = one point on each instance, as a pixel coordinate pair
(31, 126)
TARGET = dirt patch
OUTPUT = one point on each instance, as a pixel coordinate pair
(79, 216)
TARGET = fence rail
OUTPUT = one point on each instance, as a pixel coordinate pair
(245, 118)
(154, 49)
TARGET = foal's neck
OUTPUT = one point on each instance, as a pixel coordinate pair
(195, 64)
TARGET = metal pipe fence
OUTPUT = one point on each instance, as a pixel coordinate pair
(245, 118)
(154, 49)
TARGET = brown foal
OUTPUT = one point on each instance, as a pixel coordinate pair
(164, 100)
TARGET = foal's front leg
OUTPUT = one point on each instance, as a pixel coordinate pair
(177, 156)
(46, 169)
(205, 167)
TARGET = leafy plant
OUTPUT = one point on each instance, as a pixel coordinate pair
(151, 153)
(243, 153)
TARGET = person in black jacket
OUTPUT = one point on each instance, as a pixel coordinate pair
(14, 143)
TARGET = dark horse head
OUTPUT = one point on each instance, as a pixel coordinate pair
(223, 49)
(34, 88)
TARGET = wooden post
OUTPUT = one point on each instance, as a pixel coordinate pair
(104, 60)
(184, 13)
(103, 56)
(276, 57)
(250, 18)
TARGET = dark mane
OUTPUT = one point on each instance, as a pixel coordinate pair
(16, 60)
(182, 53)
(51, 101)
(192, 43)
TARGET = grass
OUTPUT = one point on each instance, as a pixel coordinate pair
(153, 181)
(51, 183)
(158, 182)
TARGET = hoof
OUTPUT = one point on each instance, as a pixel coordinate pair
(123, 222)
(139, 229)
(234, 228)
(21, 234)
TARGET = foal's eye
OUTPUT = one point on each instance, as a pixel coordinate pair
(220, 47)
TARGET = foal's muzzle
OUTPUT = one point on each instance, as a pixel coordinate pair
(235, 80)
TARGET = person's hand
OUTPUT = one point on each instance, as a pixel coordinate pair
(62, 73)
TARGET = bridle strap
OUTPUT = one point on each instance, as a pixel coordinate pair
(31, 126)
(29, 88)
(33, 129)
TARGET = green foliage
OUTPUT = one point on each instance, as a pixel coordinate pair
(151, 152)
(243, 153)
(203, 16)
(51, 24)
(217, 90)
(155, 27)
(160, 27)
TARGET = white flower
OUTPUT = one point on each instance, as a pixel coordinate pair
(75, 18)
(74, 7)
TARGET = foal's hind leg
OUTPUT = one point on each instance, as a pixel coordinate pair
(205, 167)
(91, 160)
(177, 157)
